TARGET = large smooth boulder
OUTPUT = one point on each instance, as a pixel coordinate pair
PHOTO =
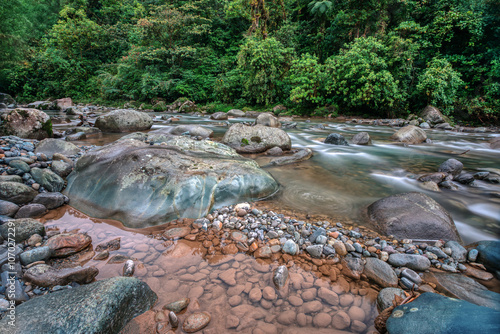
(143, 185)
(412, 215)
(451, 166)
(16, 192)
(432, 115)
(50, 146)
(256, 139)
(489, 255)
(43, 105)
(432, 313)
(268, 119)
(64, 103)
(124, 120)
(410, 135)
(361, 138)
(26, 123)
(102, 307)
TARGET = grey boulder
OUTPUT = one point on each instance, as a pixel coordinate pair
(102, 307)
(26, 123)
(124, 120)
(17, 193)
(410, 135)
(143, 185)
(412, 215)
(256, 139)
(50, 146)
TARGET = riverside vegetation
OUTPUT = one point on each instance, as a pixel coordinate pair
(371, 58)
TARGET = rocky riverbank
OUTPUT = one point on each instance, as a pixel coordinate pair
(267, 271)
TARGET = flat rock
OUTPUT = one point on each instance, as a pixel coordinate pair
(50, 146)
(102, 307)
(412, 216)
(178, 305)
(66, 244)
(47, 276)
(432, 313)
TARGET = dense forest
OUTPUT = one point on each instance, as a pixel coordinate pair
(317, 57)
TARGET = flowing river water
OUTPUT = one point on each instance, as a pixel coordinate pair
(337, 182)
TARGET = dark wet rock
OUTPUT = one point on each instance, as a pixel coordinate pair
(352, 267)
(8, 208)
(196, 322)
(361, 138)
(19, 295)
(432, 313)
(24, 229)
(178, 305)
(451, 166)
(255, 139)
(448, 185)
(77, 311)
(51, 146)
(51, 200)
(219, 116)
(66, 244)
(410, 135)
(119, 258)
(47, 276)
(336, 139)
(34, 255)
(267, 119)
(434, 177)
(17, 193)
(124, 120)
(463, 287)
(458, 252)
(380, 272)
(432, 115)
(26, 123)
(110, 245)
(31, 210)
(190, 129)
(465, 178)
(301, 155)
(489, 255)
(280, 276)
(412, 215)
(236, 113)
(102, 255)
(412, 261)
(386, 297)
(48, 179)
(6, 99)
(143, 185)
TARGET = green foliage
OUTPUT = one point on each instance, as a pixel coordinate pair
(263, 64)
(359, 77)
(439, 83)
(305, 77)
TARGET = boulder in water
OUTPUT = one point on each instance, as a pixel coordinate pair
(236, 113)
(361, 138)
(336, 139)
(412, 215)
(267, 119)
(410, 135)
(102, 307)
(451, 166)
(26, 123)
(256, 139)
(432, 313)
(219, 116)
(143, 185)
(124, 120)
